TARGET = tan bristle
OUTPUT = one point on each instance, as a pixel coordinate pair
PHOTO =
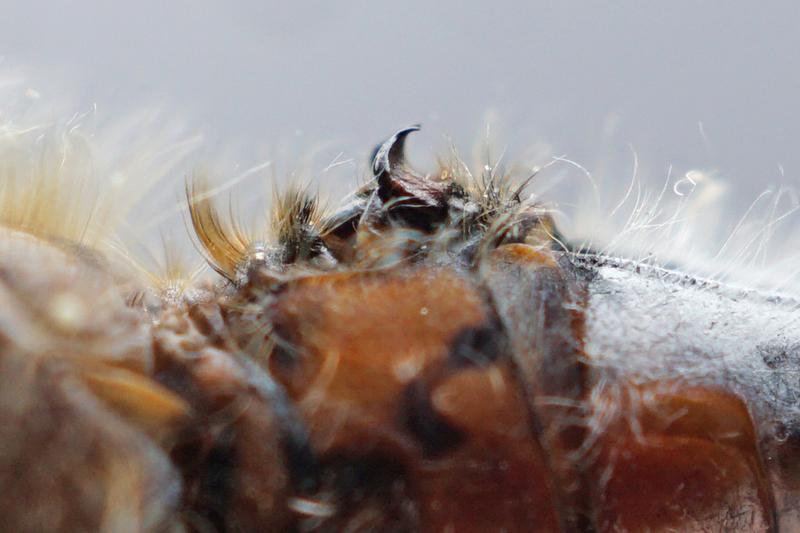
(293, 209)
(223, 241)
(46, 187)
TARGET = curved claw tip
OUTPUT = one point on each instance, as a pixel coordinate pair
(390, 154)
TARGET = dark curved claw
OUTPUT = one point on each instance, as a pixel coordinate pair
(408, 198)
(391, 154)
(412, 199)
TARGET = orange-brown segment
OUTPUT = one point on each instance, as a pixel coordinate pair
(524, 255)
(675, 458)
(349, 345)
(498, 479)
(373, 363)
(541, 308)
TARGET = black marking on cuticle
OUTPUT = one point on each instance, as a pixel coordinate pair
(434, 434)
(373, 485)
(215, 480)
(301, 462)
(478, 346)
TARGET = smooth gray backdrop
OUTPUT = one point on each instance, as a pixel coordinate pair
(694, 84)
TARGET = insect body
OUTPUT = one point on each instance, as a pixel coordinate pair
(429, 358)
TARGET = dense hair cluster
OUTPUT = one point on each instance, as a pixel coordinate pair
(397, 215)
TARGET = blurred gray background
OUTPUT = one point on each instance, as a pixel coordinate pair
(708, 85)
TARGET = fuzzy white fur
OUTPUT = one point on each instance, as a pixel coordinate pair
(80, 177)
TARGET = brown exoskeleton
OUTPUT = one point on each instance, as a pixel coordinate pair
(431, 357)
